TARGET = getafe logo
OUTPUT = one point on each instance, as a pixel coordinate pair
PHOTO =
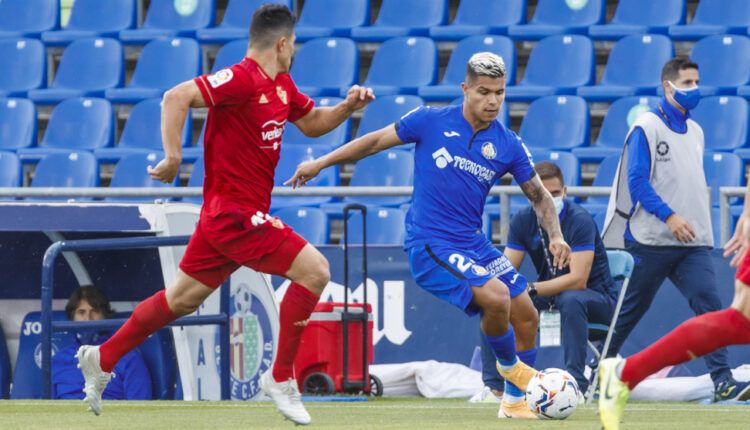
(479, 270)
(282, 95)
(250, 343)
(488, 151)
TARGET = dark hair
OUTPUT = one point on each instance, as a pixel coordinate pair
(671, 69)
(270, 22)
(94, 296)
(548, 170)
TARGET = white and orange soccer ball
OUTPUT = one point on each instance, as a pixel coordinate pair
(552, 394)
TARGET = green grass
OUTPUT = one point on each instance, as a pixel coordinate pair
(411, 413)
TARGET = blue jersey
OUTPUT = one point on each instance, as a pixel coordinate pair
(454, 171)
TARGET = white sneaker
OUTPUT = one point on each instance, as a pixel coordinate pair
(287, 398)
(485, 395)
(95, 379)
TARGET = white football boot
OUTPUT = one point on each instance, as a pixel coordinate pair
(287, 398)
(96, 380)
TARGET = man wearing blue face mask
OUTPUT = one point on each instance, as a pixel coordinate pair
(660, 213)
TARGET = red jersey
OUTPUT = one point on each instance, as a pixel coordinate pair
(247, 114)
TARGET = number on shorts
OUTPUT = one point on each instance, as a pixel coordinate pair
(459, 261)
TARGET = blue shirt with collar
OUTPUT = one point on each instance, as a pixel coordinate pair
(639, 163)
(580, 232)
(454, 169)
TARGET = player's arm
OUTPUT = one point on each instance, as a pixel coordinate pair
(544, 207)
(175, 105)
(321, 120)
(580, 267)
(738, 245)
(515, 256)
(357, 149)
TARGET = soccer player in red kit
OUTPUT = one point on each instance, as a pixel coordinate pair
(249, 106)
(694, 338)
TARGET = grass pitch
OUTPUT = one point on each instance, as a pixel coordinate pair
(391, 413)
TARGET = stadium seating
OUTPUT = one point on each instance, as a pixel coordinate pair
(724, 62)
(196, 180)
(161, 360)
(328, 18)
(169, 19)
(639, 17)
(620, 116)
(142, 132)
(94, 18)
(391, 168)
(714, 17)
(386, 110)
(17, 124)
(131, 171)
(310, 223)
(24, 66)
(290, 157)
(27, 18)
(559, 122)
(557, 65)
(332, 139)
(385, 226)
(724, 120)
(230, 54)
(722, 170)
(478, 17)
(605, 176)
(4, 367)
(71, 169)
(503, 116)
(401, 65)
(10, 171)
(450, 87)
(403, 18)
(236, 21)
(88, 68)
(560, 17)
(633, 68)
(162, 64)
(75, 124)
(322, 67)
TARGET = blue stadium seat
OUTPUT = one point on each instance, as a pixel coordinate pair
(310, 223)
(620, 116)
(557, 65)
(385, 226)
(291, 156)
(391, 168)
(196, 180)
(477, 17)
(328, 18)
(450, 87)
(142, 132)
(10, 171)
(503, 116)
(722, 170)
(633, 68)
(559, 122)
(131, 171)
(560, 17)
(163, 63)
(75, 124)
(94, 18)
(714, 17)
(403, 18)
(23, 64)
(168, 18)
(640, 17)
(4, 367)
(386, 110)
(27, 18)
(230, 54)
(161, 360)
(605, 175)
(724, 120)
(27, 376)
(724, 62)
(17, 124)
(88, 68)
(322, 67)
(190, 152)
(236, 21)
(71, 169)
(401, 65)
(333, 139)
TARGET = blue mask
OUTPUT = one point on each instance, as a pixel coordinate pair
(687, 98)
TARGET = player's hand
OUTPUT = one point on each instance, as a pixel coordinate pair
(304, 173)
(165, 171)
(358, 97)
(560, 251)
(737, 246)
(680, 228)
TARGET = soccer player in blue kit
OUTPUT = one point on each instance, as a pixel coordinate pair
(461, 151)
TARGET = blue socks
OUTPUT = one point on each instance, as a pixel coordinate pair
(504, 346)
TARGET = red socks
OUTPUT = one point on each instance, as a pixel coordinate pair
(149, 316)
(694, 338)
(296, 307)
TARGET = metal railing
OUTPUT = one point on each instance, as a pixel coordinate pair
(726, 193)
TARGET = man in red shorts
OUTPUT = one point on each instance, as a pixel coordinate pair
(693, 338)
(249, 105)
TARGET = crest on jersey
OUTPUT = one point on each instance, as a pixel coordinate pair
(479, 270)
(220, 78)
(488, 150)
(282, 95)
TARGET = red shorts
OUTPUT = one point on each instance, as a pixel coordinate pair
(743, 272)
(223, 243)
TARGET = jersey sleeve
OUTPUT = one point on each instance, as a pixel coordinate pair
(584, 234)
(227, 87)
(300, 104)
(521, 167)
(411, 126)
(516, 233)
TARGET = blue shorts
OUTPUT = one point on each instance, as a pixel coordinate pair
(449, 272)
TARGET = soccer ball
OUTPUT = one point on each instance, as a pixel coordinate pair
(552, 394)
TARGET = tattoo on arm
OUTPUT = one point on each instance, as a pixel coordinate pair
(543, 205)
